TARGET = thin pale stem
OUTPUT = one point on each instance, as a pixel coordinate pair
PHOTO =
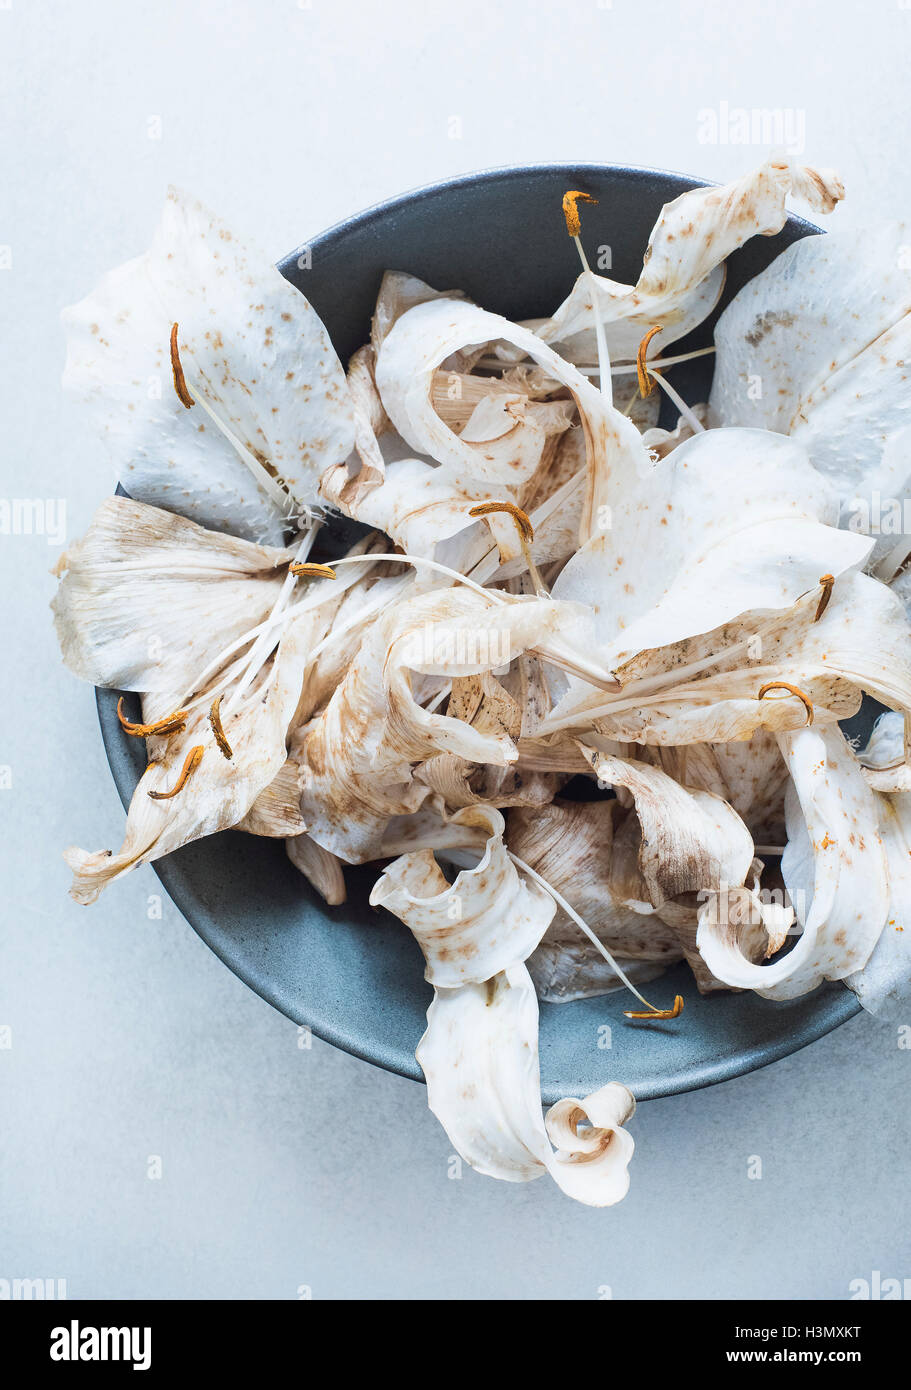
(604, 372)
(558, 652)
(262, 475)
(583, 926)
(692, 420)
(265, 643)
(617, 368)
(438, 699)
(667, 684)
(215, 665)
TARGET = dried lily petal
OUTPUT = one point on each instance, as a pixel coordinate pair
(400, 292)
(662, 442)
(682, 275)
(220, 793)
(835, 870)
(431, 827)
(690, 841)
(883, 985)
(571, 845)
(426, 335)
(147, 598)
(321, 868)
(485, 704)
(480, 1058)
(418, 506)
(746, 524)
(275, 813)
(826, 325)
(593, 1148)
(423, 507)
(750, 774)
(359, 752)
(861, 643)
(370, 421)
(885, 749)
(251, 348)
(483, 922)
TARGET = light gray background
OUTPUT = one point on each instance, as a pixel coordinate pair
(284, 1166)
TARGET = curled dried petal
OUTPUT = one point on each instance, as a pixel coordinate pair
(487, 920)
(480, 1059)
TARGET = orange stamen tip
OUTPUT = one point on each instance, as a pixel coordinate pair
(191, 763)
(675, 1012)
(307, 571)
(647, 382)
(180, 381)
(792, 690)
(170, 724)
(827, 582)
(217, 730)
(526, 530)
(571, 211)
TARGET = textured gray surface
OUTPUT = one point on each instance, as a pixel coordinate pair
(283, 1166)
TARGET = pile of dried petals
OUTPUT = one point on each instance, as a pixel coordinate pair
(550, 587)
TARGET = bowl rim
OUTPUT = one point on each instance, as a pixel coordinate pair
(501, 172)
(836, 1003)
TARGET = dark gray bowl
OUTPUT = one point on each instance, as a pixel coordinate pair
(353, 975)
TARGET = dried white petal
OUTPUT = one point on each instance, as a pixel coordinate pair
(883, 985)
(825, 326)
(480, 1058)
(359, 752)
(148, 598)
(745, 524)
(251, 347)
(834, 867)
(469, 930)
(426, 335)
(571, 844)
(320, 867)
(220, 792)
(682, 275)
